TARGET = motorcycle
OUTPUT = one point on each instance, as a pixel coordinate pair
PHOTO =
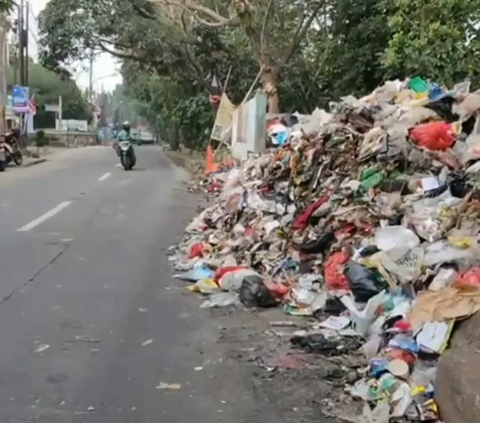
(12, 149)
(127, 155)
(3, 158)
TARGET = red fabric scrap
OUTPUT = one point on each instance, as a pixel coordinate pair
(301, 221)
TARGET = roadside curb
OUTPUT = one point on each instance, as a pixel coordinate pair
(34, 162)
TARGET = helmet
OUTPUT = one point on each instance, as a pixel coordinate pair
(126, 125)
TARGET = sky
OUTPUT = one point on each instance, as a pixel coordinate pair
(105, 75)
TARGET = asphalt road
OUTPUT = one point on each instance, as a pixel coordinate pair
(92, 327)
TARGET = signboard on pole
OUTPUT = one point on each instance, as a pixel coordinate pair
(55, 108)
(20, 99)
(223, 121)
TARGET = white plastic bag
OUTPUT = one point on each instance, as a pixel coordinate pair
(233, 184)
(396, 241)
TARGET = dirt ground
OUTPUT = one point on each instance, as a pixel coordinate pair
(286, 385)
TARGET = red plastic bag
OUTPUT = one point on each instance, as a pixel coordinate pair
(434, 135)
(334, 278)
(196, 250)
(472, 278)
(224, 270)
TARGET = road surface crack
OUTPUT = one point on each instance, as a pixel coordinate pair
(36, 275)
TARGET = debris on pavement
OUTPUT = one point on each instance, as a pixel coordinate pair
(42, 348)
(364, 220)
(169, 386)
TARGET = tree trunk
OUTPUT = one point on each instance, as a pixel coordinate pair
(269, 79)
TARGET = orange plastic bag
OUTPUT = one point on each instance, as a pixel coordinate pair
(434, 135)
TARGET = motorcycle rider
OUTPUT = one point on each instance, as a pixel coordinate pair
(124, 135)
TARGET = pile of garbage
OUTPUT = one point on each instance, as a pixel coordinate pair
(366, 219)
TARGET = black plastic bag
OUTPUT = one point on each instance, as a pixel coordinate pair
(254, 293)
(363, 282)
(317, 246)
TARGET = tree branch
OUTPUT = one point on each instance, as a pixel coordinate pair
(217, 20)
(300, 33)
(264, 27)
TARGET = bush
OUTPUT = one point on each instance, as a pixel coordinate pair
(41, 139)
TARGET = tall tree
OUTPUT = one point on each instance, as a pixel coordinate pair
(275, 30)
(437, 39)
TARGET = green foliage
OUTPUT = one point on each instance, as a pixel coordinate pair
(194, 117)
(6, 5)
(315, 50)
(41, 139)
(437, 39)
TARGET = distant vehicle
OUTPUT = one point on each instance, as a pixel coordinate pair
(136, 139)
(146, 137)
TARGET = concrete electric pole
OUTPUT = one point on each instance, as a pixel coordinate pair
(4, 28)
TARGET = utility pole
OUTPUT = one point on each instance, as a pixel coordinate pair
(4, 27)
(60, 112)
(90, 85)
(27, 28)
(21, 45)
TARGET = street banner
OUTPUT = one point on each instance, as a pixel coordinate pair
(20, 99)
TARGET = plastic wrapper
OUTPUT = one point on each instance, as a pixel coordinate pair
(232, 281)
(442, 252)
(432, 217)
(221, 299)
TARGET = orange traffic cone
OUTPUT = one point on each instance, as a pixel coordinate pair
(210, 165)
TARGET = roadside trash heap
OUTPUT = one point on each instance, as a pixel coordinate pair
(365, 219)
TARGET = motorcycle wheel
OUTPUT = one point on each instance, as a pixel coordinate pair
(18, 159)
(126, 163)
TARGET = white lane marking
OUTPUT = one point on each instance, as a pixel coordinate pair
(103, 177)
(44, 217)
(118, 165)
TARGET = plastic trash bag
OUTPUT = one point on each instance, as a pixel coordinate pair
(363, 282)
(442, 252)
(334, 277)
(254, 293)
(196, 274)
(363, 320)
(232, 281)
(396, 241)
(434, 135)
(234, 184)
(204, 286)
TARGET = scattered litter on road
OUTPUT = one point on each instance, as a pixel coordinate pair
(147, 343)
(142, 310)
(368, 227)
(42, 348)
(169, 386)
(82, 338)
